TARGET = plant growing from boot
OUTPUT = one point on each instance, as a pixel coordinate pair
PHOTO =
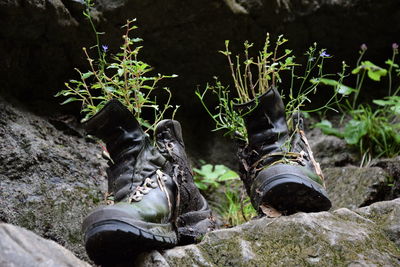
(125, 78)
(373, 129)
(253, 76)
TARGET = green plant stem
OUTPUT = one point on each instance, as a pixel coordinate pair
(201, 96)
(307, 73)
(89, 17)
(358, 89)
(93, 69)
(390, 73)
(362, 52)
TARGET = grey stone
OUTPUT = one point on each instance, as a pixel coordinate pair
(338, 238)
(49, 178)
(20, 247)
(353, 187)
(387, 216)
(392, 167)
(330, 151)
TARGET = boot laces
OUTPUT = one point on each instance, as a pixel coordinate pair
(161, 179)
(294, 158)
(148, 184)
(286, 158)
(142, 190)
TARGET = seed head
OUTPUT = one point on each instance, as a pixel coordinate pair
(363, 47)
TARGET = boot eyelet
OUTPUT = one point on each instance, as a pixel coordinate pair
(170, 145)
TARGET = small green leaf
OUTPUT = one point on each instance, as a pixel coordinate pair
(289, 60)
(396, 109)
(136, 40)
(228, 175)
(327, 128)
(356, 70)
(96, 86)
(71, 99)
(376, 75)
(374, 72)
(341, 88)
(354, 131)
(120, 72)
(344, 90)
(109, 89)
(86, 75)
(328, 81)
(380, 102)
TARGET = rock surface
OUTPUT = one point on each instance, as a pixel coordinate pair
(364, 237)
(353, 187)
(331, 151)
(368, 236)
(50, 177)
(349, 185)
(20, 247)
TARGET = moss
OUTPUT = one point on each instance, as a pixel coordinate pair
(321, 239)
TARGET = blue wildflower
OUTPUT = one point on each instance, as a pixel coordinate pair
(324, 54)
(105, 48)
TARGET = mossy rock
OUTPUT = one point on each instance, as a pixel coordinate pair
(50, 177)
(338, 238)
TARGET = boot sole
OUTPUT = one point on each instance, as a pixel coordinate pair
(290, 193)
(112, 241)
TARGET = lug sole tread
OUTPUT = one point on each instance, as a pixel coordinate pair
(110, 242)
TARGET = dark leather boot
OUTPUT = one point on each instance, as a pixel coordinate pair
(277, 166)
(143, 192)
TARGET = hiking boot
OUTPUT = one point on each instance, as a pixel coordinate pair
(277, 165)
(143, 191)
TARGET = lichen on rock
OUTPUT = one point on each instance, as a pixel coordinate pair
(338, 238)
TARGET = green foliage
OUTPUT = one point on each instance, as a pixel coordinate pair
(125, 78)
(374, 130)
(327, 128)
(374, 72)
(235, 209)
(261, 72)
(392, 103)
(253, 76)
(238, 208)
(211, 176)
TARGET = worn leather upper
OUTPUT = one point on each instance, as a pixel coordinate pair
(138, 174)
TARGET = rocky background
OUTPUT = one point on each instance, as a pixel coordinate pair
(41, 41)
(51, 175)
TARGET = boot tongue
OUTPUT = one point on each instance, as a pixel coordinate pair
(265, 122)
(113, 117)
